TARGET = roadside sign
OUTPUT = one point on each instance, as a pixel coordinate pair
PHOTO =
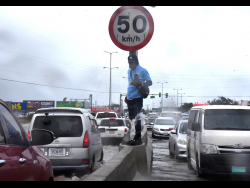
(19, 107)
(131, 27)
(152, 97)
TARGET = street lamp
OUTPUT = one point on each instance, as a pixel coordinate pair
(162, 93)
(177, 97)
(110, 77)
(181, 97)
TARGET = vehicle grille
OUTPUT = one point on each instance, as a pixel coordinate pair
(232, 150)
(165, 129)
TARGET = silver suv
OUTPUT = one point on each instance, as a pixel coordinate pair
(78, 143)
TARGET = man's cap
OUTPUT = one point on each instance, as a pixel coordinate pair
(132, 59)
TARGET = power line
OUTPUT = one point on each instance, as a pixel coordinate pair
(53, 86)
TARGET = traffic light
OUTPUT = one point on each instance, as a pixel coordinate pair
(166, 95)
(159, 94)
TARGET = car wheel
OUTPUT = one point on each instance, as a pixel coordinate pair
(170, 153)
(189, 162)
(91, 166)
(198, 170)
(153, 136)
(175, 155)
(101, 160)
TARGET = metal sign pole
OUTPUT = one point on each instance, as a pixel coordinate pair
(134, 53)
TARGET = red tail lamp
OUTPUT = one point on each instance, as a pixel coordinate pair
(171, 128)
(29, 135)
(126, 130)
(86, 140)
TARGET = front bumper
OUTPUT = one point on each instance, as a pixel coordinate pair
(181, 150)
(223, 163)
(160, 133)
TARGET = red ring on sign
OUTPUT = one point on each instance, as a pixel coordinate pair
(147, 39)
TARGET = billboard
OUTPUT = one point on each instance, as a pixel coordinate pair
(19, 107)
(33, 105)
(100, 109)
(73, 104)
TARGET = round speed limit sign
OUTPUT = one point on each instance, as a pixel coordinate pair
(131, 27)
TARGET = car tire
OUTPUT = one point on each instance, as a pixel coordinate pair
(170, 153)
(175, 155)
(153, 136)
(91, 166)
(198, 170)
(189, 162)
(102, 155)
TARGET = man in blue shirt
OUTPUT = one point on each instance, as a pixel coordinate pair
(138, 77)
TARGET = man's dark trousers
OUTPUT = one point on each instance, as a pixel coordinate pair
(134, 107)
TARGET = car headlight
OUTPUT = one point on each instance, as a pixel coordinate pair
(208, 149)
(181, 141)
(157, 129)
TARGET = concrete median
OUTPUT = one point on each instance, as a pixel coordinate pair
(130, 163)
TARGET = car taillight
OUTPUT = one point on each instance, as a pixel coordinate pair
(171, 128)
(29, 135)
(86, 140)
(126, 130)
(111, 118)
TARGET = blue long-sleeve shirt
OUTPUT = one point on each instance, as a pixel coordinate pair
(133, 91)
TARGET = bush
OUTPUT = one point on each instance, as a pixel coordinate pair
(29, 116)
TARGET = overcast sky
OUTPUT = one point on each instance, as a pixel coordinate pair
(202, 50)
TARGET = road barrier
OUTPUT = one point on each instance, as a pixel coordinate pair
(128, 164)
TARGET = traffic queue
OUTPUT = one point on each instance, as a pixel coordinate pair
(58, 139)
(214, 139)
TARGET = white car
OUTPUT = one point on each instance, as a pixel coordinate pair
(100, 115)
(115, 130)
(163, 126)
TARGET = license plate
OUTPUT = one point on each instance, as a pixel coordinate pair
(57, 152)
(236, 169)
(165, 133)
(111, 132)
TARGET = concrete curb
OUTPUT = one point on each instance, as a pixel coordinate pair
(130, 161)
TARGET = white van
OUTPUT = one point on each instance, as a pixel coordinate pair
(218, 139)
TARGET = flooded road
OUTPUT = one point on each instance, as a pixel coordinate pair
(166, 168)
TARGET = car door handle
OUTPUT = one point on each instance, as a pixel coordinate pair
(22, 160)
(2, 162)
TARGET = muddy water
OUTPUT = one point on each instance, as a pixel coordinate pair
(109, 152)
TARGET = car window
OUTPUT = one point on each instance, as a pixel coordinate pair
(61, 126)
(112, 123)
(106, 115)
(200, 117)
(2, 137)
(183, 128)
(15, 133)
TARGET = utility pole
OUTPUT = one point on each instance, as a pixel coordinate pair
(177, 97)
(110, 77)
(181, 99)
(162, 93)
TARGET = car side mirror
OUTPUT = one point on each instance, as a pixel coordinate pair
(41, 137)
(196, 127)
(102, 130)
(173, 132)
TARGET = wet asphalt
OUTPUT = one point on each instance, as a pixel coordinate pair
(166, 168)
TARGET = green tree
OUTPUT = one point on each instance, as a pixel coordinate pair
(185, 107)
(222, 101)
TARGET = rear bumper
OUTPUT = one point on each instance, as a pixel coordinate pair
(69, 164)
(223, 163)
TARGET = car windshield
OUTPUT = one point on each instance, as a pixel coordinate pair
(165, 122)
(227, 119)
(112, 123)
(106, 115)
(61, 126)
(183, 128)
